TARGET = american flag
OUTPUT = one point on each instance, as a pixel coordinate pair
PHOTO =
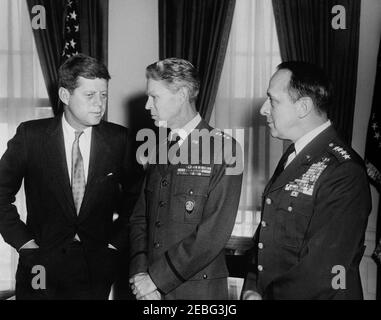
(373, 162)
(72, 45)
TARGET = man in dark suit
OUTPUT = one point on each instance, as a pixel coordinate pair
(74, 169)
(315, 208)
(187, 207)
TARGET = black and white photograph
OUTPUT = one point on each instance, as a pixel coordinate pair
(208, 151)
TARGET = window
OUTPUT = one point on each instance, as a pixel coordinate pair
(23, 96)
(251, 59)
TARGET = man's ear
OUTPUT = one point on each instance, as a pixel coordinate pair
(304, 107)
(183, 94)
(64, 95)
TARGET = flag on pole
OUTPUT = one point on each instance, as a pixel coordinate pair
(373, 161)
(71, 40)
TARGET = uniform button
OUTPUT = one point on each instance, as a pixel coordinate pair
(162, 203)
(264, 224)
(260, 245)
(268, 201)
(260, 267)
(158, 224)
(164, 183)
(156, 245)
(289, 209)
(205, 276)
(191, 192)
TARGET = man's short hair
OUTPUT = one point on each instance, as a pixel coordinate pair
(308, 80)
(176, 73)
(80, 65)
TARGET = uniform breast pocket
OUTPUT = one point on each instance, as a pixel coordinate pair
(293, 215)
(189, 199)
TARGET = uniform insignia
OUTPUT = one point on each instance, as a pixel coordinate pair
(340, 152)
(222, 134)
(189, 206)
(306, 183)
(194, 170)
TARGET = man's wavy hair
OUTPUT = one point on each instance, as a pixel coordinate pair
(80, 65)
(176, 73)
(309, 80)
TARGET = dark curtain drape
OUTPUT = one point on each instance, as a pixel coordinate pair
(198, 31)
(94, 28)
(305, 33)
(93, 22)
(49, 44)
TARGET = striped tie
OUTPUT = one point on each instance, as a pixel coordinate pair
(78, 182)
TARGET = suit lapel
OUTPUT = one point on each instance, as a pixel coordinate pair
(99, 154)
(57, 167)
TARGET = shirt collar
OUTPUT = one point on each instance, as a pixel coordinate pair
(187, 129)
(307, 138)
(70, 131)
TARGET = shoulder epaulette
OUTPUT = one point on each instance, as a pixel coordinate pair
(340, 152)
(221, 134)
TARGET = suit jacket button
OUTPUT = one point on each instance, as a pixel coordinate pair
(264, 224)
(205, 276)
(156, 245)
(289, 209)
(268, 201)
(260, 245)
(260, 268)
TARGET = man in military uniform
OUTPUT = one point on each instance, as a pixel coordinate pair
(187, 207)
(315, 208)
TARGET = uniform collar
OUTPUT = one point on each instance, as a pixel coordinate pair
(187, 129)
(307, 138)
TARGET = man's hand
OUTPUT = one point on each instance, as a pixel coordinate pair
(142, 285)
(152, 296)
(251, 295)
(30, 245)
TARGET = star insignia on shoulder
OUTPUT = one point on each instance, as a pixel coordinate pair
(339, 151)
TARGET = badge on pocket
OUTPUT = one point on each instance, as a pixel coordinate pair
(189, 206)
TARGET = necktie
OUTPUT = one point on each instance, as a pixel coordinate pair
(172, 140)
(78, 182)
(282, 162)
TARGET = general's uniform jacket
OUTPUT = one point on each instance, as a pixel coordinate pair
(314, 218)
(182, 221)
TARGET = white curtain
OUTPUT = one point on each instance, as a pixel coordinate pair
(23, 97)
(251, 59)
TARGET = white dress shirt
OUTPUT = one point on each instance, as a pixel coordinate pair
(306, 139)
(186, 130)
